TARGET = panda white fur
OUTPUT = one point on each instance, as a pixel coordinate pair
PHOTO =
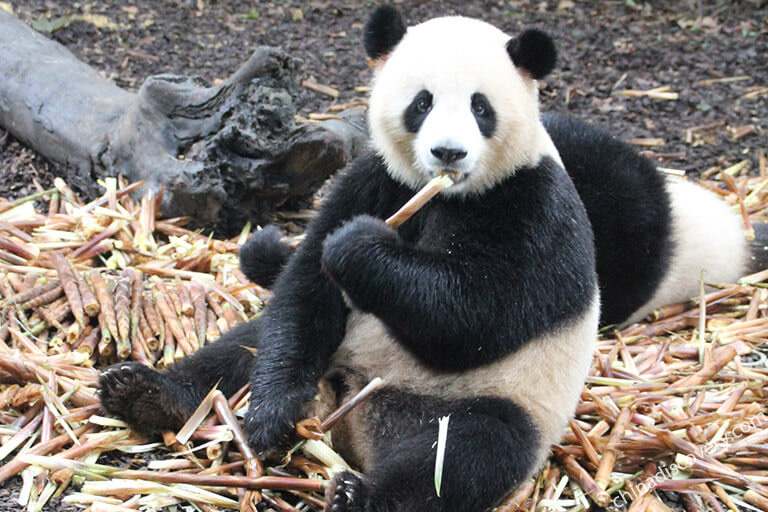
(484, 306)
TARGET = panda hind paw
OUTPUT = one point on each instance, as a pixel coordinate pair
(142, 397)
(348, 492)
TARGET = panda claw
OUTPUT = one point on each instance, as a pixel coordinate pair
(347, 493)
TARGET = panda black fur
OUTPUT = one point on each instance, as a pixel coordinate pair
(639, 239)
(484, 306)
(628, 207)
(264, 256)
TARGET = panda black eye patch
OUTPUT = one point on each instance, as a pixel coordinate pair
(484, 114)
(418, 111)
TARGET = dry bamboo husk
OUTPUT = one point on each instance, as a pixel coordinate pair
(650, 395)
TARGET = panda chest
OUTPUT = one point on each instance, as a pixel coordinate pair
(434, 230)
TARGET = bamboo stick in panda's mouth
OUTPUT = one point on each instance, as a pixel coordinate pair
(414, 204)
(429, 191)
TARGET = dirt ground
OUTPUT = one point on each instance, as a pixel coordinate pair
(711, 54)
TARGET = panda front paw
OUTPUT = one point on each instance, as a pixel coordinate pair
(144, 398)
(348, 250)
(268, 424)
(347, 492)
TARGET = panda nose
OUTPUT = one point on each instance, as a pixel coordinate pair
(448, 155)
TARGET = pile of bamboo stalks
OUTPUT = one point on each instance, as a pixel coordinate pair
(673, 409)
(94, 279)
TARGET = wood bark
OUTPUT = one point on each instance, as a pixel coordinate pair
(222, 154)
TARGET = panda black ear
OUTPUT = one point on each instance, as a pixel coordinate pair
(383, 30)
(533, 51)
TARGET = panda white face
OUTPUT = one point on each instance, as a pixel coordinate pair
(448, 97)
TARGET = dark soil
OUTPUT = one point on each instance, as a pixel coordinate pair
(604, 47)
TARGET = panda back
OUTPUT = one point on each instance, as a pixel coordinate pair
(628, 205)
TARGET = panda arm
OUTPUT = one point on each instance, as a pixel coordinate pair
(495, 290)
(305, 321)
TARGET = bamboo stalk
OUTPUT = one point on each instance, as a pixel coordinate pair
(253, 466)
(30, 294)
(429, 191)
(106, 305)
(245, 482)
(150, 313)
(146, 331)
(356, 400)
(139, 352)
(136, 285)
(85, 250)
(229, 314)
(16, 465)
(169, 347)
(755, 499)
(43, 299)
(608, 459)
(90, 304)
(197, 296)
(583, 478)
(190, 333)
(123, 313)
(185, 300)
(69, 283)
(585, 443)
(171, 297)
(519, 497)
(172, 321)
(32, 197)
(725, 497)
(721, 357)
(212, 332)
(90, 341)
(19, 248)
(105, 347)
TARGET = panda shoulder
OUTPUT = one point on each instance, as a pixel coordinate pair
(369, 165)
(366, 174)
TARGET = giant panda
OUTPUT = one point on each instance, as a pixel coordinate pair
(483, 307)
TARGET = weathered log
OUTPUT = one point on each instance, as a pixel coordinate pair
(223, 154)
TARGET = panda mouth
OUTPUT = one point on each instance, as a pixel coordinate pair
(456, 176)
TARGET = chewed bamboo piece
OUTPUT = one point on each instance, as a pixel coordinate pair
(421, 198)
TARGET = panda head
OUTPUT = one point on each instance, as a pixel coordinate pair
(458, 95)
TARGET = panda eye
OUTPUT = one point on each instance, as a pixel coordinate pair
(423, 104)
(480, 105)
(484, 114)
(417, 111)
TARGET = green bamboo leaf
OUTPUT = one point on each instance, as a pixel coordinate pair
(442, 436)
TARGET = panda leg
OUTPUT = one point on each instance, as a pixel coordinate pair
(487, 454)
(152, 401)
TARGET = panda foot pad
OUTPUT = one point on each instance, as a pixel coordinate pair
(347, 492)
(142, 397)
